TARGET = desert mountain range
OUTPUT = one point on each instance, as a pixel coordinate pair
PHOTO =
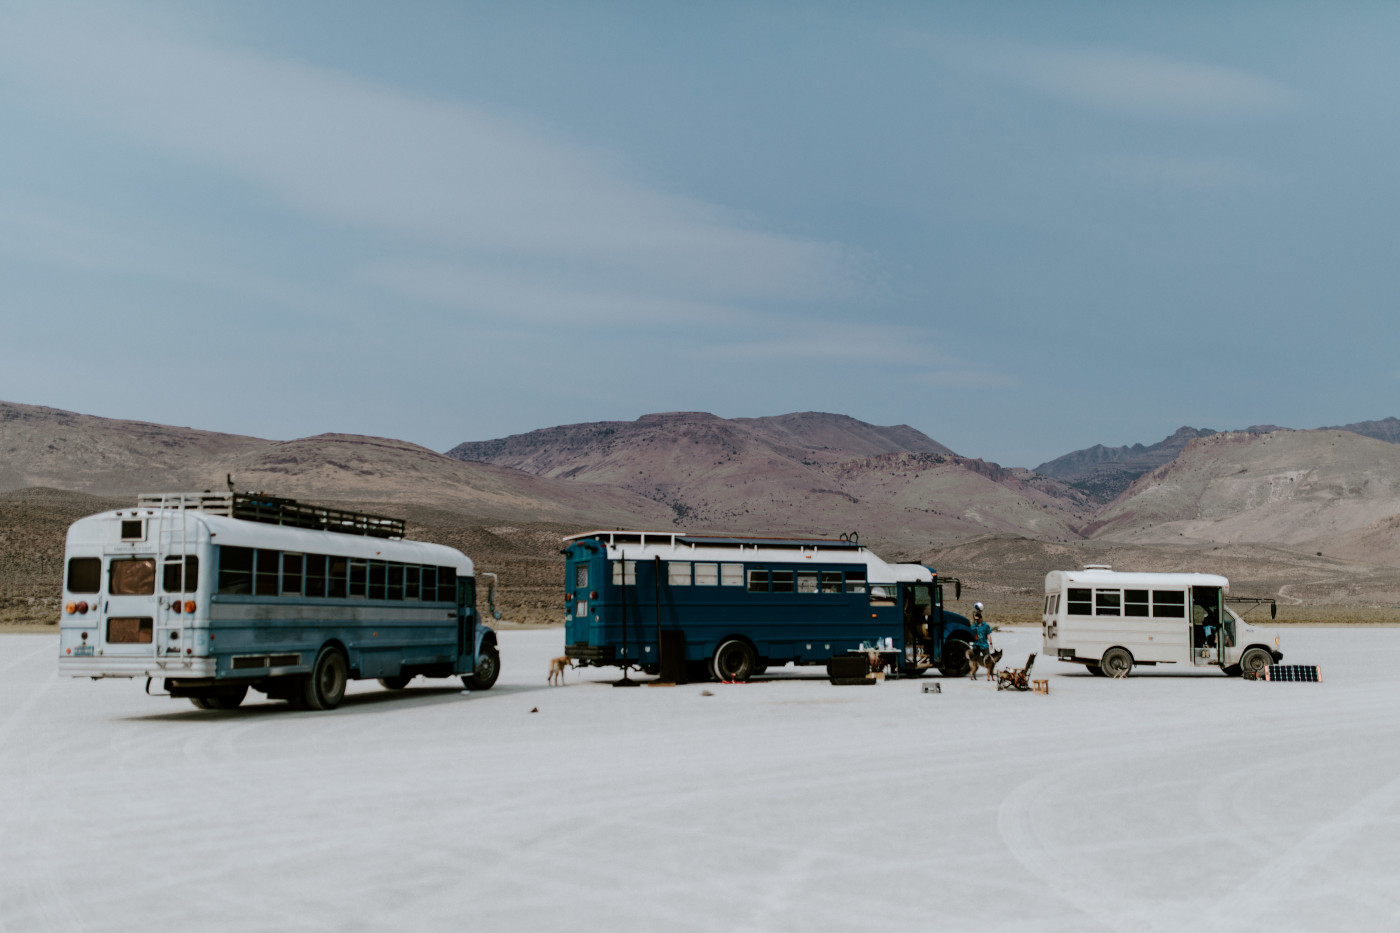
(1318, 511)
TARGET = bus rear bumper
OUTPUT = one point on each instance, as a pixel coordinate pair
(594, 653)
(100, 667)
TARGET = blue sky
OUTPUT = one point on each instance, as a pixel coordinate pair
(1022, 228)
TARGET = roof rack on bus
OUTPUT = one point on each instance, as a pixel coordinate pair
(276, 510)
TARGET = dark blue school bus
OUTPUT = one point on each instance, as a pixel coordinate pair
(731, 607)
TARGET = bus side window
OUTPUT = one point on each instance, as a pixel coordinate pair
(265, 575)
(429, 584)
(782, 581)
(84, 574)
(1108, 602)
(338, 577)
(447, 585)
(292, 565)
(758, 581)
(706, 574)
(378, 582)
(731, 575)
(678, 573)
(1168, 605)
(359, 579)
(1081, 602)
(410, 581)
(831, 581)
(316, 575)
(855, 581)
(235, 569)
(396, 582)
(881, 595)
(807, 581)
(1135, 603)
(623, 572)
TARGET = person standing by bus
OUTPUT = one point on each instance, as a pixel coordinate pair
(981, 631)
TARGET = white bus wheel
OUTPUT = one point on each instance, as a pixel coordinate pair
(734, 661)
(1117, 662)
(1255, 660)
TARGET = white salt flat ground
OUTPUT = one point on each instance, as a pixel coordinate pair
(1169, 801)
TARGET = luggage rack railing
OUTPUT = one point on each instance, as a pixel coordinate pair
(276, 510)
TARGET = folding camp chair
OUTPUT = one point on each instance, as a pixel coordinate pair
(1016, 678)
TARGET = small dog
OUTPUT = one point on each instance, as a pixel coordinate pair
(557, 666)
(980, 659)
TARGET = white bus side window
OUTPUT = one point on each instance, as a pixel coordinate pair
(1108, 602)
(1168, 605)
(678, 573)
(1081, 602)
(706, 574)
(731, 575)
(1135, 603)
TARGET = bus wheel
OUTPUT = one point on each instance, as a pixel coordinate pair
(231, 700)
(734, 660)
(397, 682)
(1117, 662)
(200, 702)
(1095, 670)
(488, 668)
(1255, 660)
(325, 687)
(954, 662)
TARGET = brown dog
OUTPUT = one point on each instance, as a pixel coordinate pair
(979, 659)
(557, 667)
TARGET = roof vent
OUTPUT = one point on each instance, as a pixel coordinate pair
(1098, 566)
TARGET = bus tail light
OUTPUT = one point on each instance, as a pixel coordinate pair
(175, 607)
(82, 607)
(71, 608)
(189, 605)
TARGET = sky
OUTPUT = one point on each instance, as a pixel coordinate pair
(1021, 228)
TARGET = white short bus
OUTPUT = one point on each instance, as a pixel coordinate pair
(212, 594)
(1111, 621)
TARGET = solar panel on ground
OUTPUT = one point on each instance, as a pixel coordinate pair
(1293, 673)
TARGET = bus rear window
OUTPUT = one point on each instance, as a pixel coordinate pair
(132, 576)
(84, 574)
(173, 581)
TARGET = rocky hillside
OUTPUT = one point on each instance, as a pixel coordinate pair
(809, 472)
(1330, 491)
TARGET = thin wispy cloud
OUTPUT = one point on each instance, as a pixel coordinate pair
(1121, 82)
(443, 173)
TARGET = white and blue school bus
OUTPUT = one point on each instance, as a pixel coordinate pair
(1111, 621)
(214, 594)
(730, 607)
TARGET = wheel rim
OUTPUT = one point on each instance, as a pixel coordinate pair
(486, 667)
(330, 679)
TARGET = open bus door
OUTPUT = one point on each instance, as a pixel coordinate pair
(1207, 612)
(466, 624)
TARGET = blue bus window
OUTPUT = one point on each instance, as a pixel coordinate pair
(378, 579)
(410, 581)
(807, 581)
(265, 579)
(316, 575)
(678, 573)
(395, 581)
(359, 579)
(338, 577)
(855, 581)
(429, 584)
(758, 581)
(706, 574)
(618, 569)
(882, 595)
(782, 581)
(580, 576)
(831, 581)
(235, 569)
(291, 574)
(447, 585)
(731, 575)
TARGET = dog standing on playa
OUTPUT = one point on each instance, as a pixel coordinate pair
(557, 666)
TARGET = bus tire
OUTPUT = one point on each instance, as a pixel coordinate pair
(200, 702)
(1095, 670)
(488, 668)
(324, 687)
(954, 662)
(734, 661)
(1255, 660)
(1117, 662)
(397, 682)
